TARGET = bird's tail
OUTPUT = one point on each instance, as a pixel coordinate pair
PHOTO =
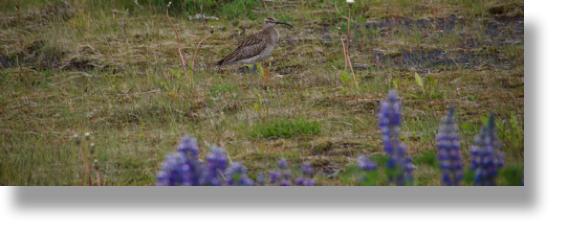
(220, 63)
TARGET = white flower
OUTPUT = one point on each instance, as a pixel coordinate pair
(350, 1)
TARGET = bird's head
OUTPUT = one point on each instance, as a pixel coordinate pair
(271, 22)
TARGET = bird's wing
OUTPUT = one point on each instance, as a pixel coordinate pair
(250, 47)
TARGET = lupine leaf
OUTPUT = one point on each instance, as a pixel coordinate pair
(395, 82)
(418, 81)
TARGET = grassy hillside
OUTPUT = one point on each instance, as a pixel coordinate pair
(112, 69)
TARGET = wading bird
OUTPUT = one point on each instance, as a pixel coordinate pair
(256, 47)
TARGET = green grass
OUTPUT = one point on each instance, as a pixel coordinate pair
(117, 75)
(286, 128)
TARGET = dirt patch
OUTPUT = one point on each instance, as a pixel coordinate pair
(514, 25)
(448, 60)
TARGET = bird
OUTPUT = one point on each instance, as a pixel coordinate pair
(256, 47)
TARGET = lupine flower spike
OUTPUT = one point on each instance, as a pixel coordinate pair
(448, 144)
(389, 122)
(285, 182)
(182, 167)
(365, 164)
(217, 164)
(282, 163)
(487, 158)
(236, 174)
(307, 170)
(275, 176)
(173, 170)
(299, 181)
(261, 178)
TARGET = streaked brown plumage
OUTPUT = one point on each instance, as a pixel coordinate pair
(251, 47)
(256, 47)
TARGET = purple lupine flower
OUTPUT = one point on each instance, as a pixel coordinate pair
(487, 158)
(448, 145)
(389, 118)
(217, 158)
(182, 167)
(261, 178)
(287, 175)
(274, 177)
(285, 182)
(309, 182)
(282, 163)
(216, 165)
(173, 171)
(236, 175)
(246, 181)
(365, 164)
(189, 147)
(307, 168)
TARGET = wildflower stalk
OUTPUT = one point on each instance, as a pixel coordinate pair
(348, 30)
(399, 167)
(177, 38)
(350, 65)
(487, 158)
(448, 145)
(194, 59)
(348, 41)
(19, 27)
(345, 54)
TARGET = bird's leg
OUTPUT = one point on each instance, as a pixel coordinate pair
(256, 74)
(254, 71)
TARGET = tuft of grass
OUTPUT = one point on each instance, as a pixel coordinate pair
(286, 128)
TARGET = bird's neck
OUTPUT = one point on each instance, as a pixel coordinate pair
(272, 33)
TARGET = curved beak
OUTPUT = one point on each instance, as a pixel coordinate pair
(284, 23)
